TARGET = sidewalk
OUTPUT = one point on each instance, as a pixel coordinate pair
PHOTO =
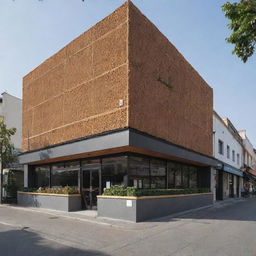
(226, 228)
(84, 216)
(90, 216)
(229, 201)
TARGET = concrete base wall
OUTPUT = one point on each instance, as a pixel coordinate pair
(141, 209)
(58, 202)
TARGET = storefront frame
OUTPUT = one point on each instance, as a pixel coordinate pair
(128, 156)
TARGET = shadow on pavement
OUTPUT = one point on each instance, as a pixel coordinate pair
(238, 211)
(24, 242)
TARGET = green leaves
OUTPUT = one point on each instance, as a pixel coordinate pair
(132, 191)
(242, 16)
(6, 146)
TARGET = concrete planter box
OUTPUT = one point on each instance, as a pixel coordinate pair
(58, 202)
(138, 209)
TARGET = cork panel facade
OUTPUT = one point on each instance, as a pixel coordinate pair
(76, 92)
(167, 97)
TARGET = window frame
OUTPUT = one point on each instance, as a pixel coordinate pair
(228, 152)
(220, 147)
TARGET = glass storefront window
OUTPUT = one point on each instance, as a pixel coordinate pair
(75, 165)
(181, 176)
(158, 173)
(178, 177)
(171, 174)
(58, 166)
(114, 171)
(158, 182)
(132, 170)
(62, 178)
(91, 164)
(65, 174)
(157, 167)
(41, 177)
(185, 174)
(139, 172)
(193, 177)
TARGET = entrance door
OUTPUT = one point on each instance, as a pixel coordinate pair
(91, 188)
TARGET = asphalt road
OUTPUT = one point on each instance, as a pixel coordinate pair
(224, 230)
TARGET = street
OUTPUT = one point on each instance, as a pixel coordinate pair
(225, 229)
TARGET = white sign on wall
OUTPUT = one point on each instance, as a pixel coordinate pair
(128, 203)
(108, 184)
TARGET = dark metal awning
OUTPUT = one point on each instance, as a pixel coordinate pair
(232, 170)
(249, 177)
(229, 169)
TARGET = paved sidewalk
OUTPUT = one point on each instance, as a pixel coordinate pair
(91, 216)
(226, 229)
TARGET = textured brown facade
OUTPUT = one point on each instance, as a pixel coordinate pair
(167, 97)
(76, 92)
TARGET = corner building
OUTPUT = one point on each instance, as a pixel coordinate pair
(118, 105)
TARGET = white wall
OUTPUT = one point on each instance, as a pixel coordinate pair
(11, 110)
(221, 132)
(249, 151)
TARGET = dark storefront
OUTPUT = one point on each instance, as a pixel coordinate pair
(92, 175)
(227, 181)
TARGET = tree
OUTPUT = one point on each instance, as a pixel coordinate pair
(242, 16)
(6, 151)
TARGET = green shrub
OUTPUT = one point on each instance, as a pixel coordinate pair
(28, 189)
(11, 186)
(116, 191)
(65, 190)
(132, 191)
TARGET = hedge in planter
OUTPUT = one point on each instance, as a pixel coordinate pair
(132, 191)
(65, 190)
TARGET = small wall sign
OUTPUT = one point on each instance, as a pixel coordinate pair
(128, 203)
(108, 184)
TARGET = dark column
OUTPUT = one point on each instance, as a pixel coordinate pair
(204, 177)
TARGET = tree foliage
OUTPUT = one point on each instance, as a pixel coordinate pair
(242, 16)
(6, 146)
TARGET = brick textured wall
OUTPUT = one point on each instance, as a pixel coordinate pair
(183, 114)
(76, 92)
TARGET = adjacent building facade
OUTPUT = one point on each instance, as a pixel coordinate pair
(11, 113)
(119, 105)
(249, 165)
(228, 149)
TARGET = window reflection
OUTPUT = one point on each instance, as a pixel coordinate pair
(139, 172)
(62, 178)
(181, 176)
(158, 173)
(41, 177)
(114, 171)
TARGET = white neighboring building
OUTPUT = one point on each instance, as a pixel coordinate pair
(249, 153)
(11, 113)
(228, 149)
(249, 162)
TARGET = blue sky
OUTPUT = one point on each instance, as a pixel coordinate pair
(31, 31)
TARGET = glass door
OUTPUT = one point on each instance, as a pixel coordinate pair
(91, 188)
